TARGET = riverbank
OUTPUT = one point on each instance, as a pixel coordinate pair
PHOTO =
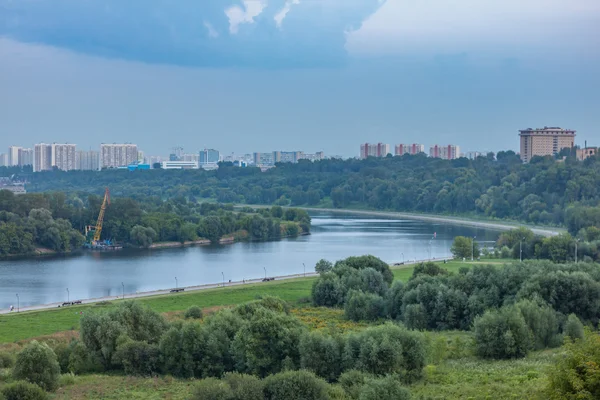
(500, 226)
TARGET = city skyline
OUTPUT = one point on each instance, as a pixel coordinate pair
(386, 69)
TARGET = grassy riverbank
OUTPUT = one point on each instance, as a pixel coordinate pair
(26, 325)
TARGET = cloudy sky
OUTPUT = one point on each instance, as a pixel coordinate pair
(262, 75)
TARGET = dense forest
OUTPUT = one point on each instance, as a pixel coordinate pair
(544, 191)
(56, 221)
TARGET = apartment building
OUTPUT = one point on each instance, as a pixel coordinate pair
(374, 150)
(43, 157)
(412, 149)
(449, 152)
(118, 155)
(544, 141)
(88, 160)
(64, 156)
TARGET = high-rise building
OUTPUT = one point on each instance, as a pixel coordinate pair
(25, 157)
(374, 150)
(43, 157)
(64, 156)
(449, 152)
(88, 160)
(264, 159)
(140, 157)
(3, 160)
(319, 155)
(287, 156)
(412, 149)
(586, 152)
(195, 157)
(209, 156)
(13, 156)
(118, 155)
(545, 141)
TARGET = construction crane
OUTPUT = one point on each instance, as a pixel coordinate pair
(97, 230)
(100, 221)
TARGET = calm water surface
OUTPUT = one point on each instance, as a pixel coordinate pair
(94, 274)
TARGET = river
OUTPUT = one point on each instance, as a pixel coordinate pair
(45, 280)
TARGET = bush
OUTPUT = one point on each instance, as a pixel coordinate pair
(575, 375)
(321, 354)
(327, 291)
(428, 268)
(193, 312)
(295, 385)
(212, 389)
(372, 281)
(23, 391)
(573, 328)
(394, 300)
(543, 323)
(383, 388)
(369, 262)
(247, 310)
(244, 387)
(139, 358)
(362, 306)
(7, 360)
(502, 334)
(37, 364)
(415, 317)
(352, 382)
(386, 349)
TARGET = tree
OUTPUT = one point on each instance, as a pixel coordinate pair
(327, 291)
(369, 261)
(362, 306)
(139, 358)
(142, 236)
(265, 341)
(574, 328)
(464, 247)
(321, 354)
(22, 390)
(244, 387)
(502, 334)
(542, 322)
(37, 364)
(323, 266)
(295, 385)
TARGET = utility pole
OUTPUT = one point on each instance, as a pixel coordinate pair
(304, 265)
(473, 248)
(265, 268)
(68, 296)
(223, 279)
(176, 284)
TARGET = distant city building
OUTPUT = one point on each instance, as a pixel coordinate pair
(25, 157)
(3, 160)
(471, 155)
(179, 165)
(176, 154)
(8, 184)
(64, 156)
(318, 156)
(264, 159)
(151, 160)
(13, 156)
(191, 157)
(43, 157)
(412, 149)
(140, 157)
(545, 141)
(88, 160)
(118, 155)
(586, 152)
(449, 152)
(240, 163)
(374, 150)
(287, 156)
(209, 156)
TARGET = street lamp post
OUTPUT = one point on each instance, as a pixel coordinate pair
(223, 279)
(304, 265)
(123, 286)
(68, 296)
(176, 283)
(18, 303)
(473, 248)
(265, 268)
(402, 258)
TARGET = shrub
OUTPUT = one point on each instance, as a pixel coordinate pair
(383, 388)
(394, 300)
(193, 312)
(321, 354)
(386, 349)
(415, 317)
(212, 389)
(543, 323)
(502, 334)
(362, 306)
(372, 281)
(244, 387)
(80, 360)
(247, 310)
(67, 379)
(362, 262)
(352, 382)
(575, 375)
(7, 360)
(37, 364)
(327, 291)
(573, 328)
(428, 268)
(23, 391)
(181, 350)
(295, 385)
(139, 358)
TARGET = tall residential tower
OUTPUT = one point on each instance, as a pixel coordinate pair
(545, 141)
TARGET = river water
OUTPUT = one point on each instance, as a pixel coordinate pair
(97, 274)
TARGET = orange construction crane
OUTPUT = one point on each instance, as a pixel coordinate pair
(105, 202)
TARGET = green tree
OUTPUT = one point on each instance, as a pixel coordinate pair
(295, 385)
(321, 354)
(464, 247)
(193, 312)
(212, 389)
(362, 306)
(384, 388)
(37, 364)
(502, 334)
(22, 390)
(142, 236)
(323, 266)
(574, 328)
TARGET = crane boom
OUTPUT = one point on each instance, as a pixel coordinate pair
(105, 202)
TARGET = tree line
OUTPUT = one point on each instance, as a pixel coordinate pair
(56, 220)
(544, 191)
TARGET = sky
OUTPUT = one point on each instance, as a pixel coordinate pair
(313, 75)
